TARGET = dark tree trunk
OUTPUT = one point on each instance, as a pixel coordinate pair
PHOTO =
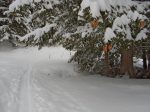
(144, 60)
(148, 57)
(127, 63)
(106, 59)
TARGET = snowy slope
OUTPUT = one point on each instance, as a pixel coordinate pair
(43, 81)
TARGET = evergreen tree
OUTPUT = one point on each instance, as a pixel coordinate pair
(91, 28)
(121, 21)
(3, 18)
(52, 18)
(88, 39)
(32, 22)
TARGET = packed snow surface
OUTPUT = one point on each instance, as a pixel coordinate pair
(43, 81)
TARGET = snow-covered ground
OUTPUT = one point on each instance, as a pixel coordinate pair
(43, 81)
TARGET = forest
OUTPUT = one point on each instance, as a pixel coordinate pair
(107, 37)
(74, 56)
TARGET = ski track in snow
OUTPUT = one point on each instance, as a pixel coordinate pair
(15, 79)
(29, 91)
(25, 91)
(54, 98)
(49, 84)
(44, 96)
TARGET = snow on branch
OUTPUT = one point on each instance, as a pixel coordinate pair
(103, 5)
(142, 34)
(17, 3)
(119, 22)
(38, 32)
(109, 34)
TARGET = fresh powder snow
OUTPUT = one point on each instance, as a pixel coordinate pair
(33, 80)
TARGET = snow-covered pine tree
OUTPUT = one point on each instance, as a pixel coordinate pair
(88, 30)
(42, 22)
(100, 21)
(3, 18)
(132, 29)
(145, 43)
(88, 39)
(32, 21)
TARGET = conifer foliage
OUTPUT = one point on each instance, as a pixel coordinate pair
(119, 24)
(4, 4)
(43, 22)
(95, 29)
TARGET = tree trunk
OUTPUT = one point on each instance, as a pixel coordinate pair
(144, 60)
(148, 57)
(106, 59)
(127, 63)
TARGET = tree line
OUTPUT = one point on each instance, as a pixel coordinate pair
(104, 44)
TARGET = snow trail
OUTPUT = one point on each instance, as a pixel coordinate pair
(53, 97)
(25, 91)
(15, 86)
(34, 91)
(43, 81)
